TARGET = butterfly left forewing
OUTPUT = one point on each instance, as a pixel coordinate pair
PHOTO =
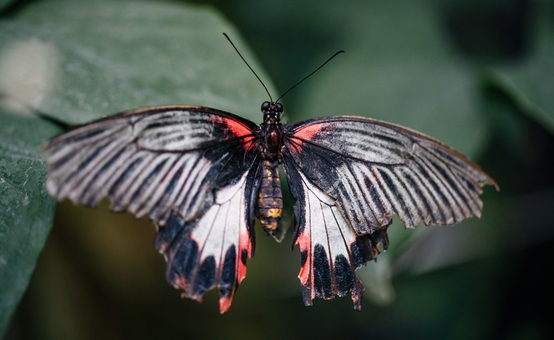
(150, 161)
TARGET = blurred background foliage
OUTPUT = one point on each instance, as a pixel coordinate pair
(479, 75)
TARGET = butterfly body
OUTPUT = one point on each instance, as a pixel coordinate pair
(270, 139)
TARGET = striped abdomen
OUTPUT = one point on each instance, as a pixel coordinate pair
(270, 198)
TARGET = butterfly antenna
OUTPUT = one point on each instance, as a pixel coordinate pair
(236, 49)
(308, 76)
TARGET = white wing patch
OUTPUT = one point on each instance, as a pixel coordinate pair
(331, 251)
(211, 251)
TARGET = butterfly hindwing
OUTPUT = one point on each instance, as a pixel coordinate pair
(330, 249)
(212, 250)
(185, 167)
(349, 175)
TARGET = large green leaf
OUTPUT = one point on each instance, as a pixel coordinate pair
(26, 210)
(114, 56)
(76, 61)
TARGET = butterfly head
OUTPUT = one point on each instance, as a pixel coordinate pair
(272, 111)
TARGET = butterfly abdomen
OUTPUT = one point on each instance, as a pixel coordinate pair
(270, 198)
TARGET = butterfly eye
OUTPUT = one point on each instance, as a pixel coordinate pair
(265, 106)
(279, 107)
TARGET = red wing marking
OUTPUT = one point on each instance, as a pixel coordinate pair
(307, 132)
(245, 247)
(244, 253)
(236, 128)
(225, 303)
(304, 242)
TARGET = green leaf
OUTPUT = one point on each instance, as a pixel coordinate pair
(26, 209)
(77, 61)
(108, 57)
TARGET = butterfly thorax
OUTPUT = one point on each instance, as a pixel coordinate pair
(270, 198)
(270, 131)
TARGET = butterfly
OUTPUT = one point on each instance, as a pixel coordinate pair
(203, 176)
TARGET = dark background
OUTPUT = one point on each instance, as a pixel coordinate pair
(99, 277)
